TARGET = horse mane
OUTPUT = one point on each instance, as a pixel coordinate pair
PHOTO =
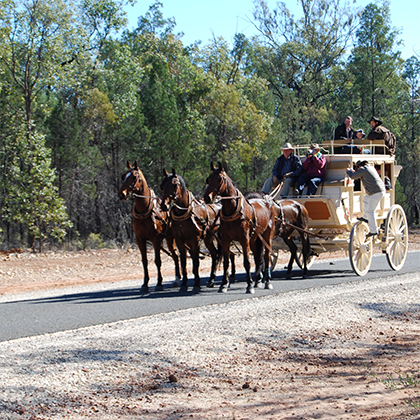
(253, 194)
(182, 182)
(170, 177)
(143, 178)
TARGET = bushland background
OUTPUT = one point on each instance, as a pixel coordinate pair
(80, 94)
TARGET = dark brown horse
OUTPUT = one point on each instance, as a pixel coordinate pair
(290, 216)
(191, 222)
(150, 223)
(247, 220)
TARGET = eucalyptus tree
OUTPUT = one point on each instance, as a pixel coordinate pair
(409, 144)
(376, 65)
(302, 58)
(33, 44)
(235, 108)
(168, 92)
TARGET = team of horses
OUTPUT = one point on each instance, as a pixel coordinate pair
(225, 216)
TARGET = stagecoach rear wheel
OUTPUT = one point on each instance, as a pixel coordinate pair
(396, 232)
(360, 249)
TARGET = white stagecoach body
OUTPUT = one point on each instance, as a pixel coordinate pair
(333, 211)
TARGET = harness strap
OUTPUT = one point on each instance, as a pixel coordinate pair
(237, 212)
(149, 209)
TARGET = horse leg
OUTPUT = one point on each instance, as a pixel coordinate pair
(214, 259)
(225, 282)
(183, 256)
(158, 262)
(305, 253)
(257, 250)
(293, 248)
(141, 243)
(245, 249)
(172, 250)
(195, 255)
(268, 237)
(232, 277)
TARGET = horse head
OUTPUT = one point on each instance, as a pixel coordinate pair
(172, 187)
(216, 182)
(132, 181)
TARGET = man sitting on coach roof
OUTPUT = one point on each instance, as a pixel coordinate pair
(379, 132)
(286, 170)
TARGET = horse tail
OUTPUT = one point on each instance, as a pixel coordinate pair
(219, 254)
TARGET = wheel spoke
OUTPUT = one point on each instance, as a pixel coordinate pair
(397, 237)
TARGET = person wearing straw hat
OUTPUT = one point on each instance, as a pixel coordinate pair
(314, 170)
(375, 191)
(286, 170)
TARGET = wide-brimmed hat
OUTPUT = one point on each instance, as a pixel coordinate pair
(314, 146)
(361, 163)
(377, 120)
(287, 146)
(360, 130)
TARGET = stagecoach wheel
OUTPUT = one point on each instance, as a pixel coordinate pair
(309, 262)
(396, 231)
(274, 256)
(360, 249)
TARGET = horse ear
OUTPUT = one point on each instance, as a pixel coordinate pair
(173, 172)
(165, 172)
(136, 165)
(220, 165)
(224, 166)
(212, 167)
(128, 165)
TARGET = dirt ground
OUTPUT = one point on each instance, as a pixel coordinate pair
(391, 347)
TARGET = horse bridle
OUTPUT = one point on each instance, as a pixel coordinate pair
(132, 187)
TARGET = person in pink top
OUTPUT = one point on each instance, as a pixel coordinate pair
(314, 169)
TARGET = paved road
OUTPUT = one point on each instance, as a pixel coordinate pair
(59, 310)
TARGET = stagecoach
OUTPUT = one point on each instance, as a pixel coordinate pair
(333, 211)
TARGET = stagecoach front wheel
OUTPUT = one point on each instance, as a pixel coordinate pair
(309, 261)
(273, 259)
(360, 249)
(396, 232)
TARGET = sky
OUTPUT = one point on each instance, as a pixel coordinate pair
(203, 19)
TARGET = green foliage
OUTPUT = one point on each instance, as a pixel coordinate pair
(80, 95)
(32, 198)
(376, 64)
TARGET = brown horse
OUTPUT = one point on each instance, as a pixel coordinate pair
(290, 216)
(149, 222)
(247, 220)
(191, 222)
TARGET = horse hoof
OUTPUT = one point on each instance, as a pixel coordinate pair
(288, 276)
(210, 283)
(158, 288)
(196, 289)
(144, 289)
(305, 276)
(223, 289)
(176, 283)
(250, 290)
(268, 285)
(183, 289)
(232, 279)
(258, 284)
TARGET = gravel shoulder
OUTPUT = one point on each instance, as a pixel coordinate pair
(335, 352)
